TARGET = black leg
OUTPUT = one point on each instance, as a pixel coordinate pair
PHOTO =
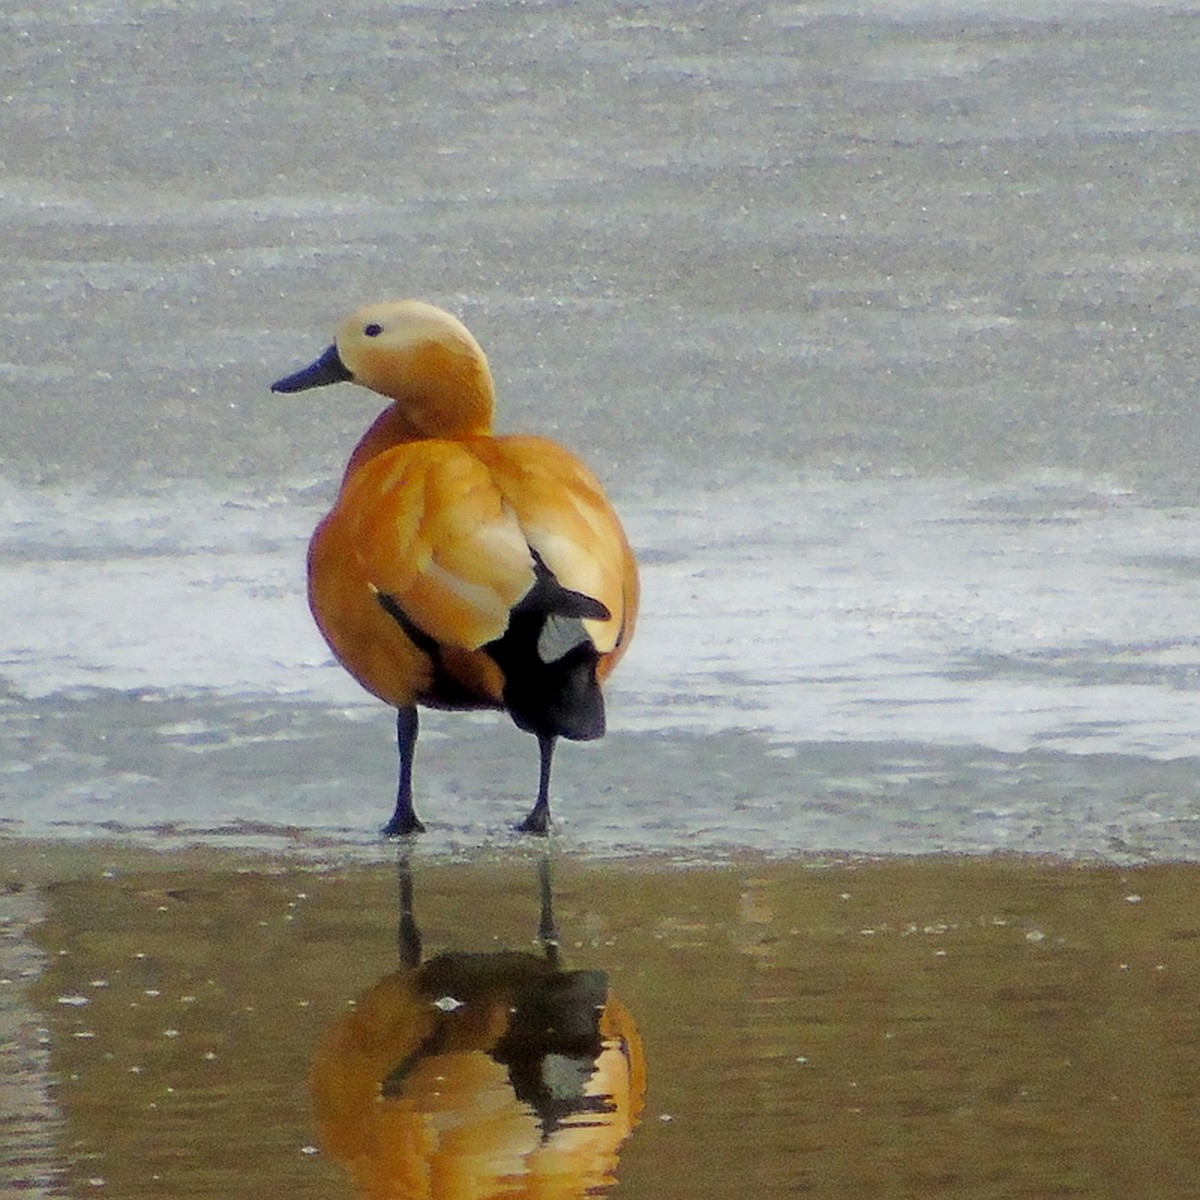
(538, 820)
(404, 820)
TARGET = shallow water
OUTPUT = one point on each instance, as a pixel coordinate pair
(960, 1028)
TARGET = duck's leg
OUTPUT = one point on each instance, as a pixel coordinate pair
(404, 820)
(538, 820)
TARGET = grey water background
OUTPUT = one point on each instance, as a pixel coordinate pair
(879, 320)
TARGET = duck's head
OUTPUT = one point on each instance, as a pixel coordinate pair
(419, 356)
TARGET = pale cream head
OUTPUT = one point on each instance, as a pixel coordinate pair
(423, 358)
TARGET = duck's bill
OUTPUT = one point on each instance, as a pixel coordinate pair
(329, 368)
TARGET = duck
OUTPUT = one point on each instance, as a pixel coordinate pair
(460, 569)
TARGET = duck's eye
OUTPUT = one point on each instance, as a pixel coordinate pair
(373, 330)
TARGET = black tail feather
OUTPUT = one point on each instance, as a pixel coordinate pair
(549, 661)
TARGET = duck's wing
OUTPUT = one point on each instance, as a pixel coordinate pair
(437, 542)
(570, 525)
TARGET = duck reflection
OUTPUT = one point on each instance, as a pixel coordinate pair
(480, 1075)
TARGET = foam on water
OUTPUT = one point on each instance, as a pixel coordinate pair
(1037, 613)
(1047, 612)
(170, 593)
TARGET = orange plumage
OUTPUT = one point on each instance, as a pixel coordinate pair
(458, 569)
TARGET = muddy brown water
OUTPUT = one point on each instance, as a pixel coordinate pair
(895, 1027)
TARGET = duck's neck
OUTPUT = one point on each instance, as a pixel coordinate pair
(439, 388)
(388, 429)
(434, 414)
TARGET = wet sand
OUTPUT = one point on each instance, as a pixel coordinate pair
(887, 1027)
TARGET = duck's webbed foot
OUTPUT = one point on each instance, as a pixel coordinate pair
(403, 824)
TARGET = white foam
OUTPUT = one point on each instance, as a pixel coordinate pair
(1043, 613)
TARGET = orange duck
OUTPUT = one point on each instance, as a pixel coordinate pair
(459, 569)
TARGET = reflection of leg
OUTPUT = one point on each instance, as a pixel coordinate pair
(538, 820)
(408, 936)
(404, 820)
(547, 930)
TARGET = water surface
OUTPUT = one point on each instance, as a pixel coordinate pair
(960, 1028)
